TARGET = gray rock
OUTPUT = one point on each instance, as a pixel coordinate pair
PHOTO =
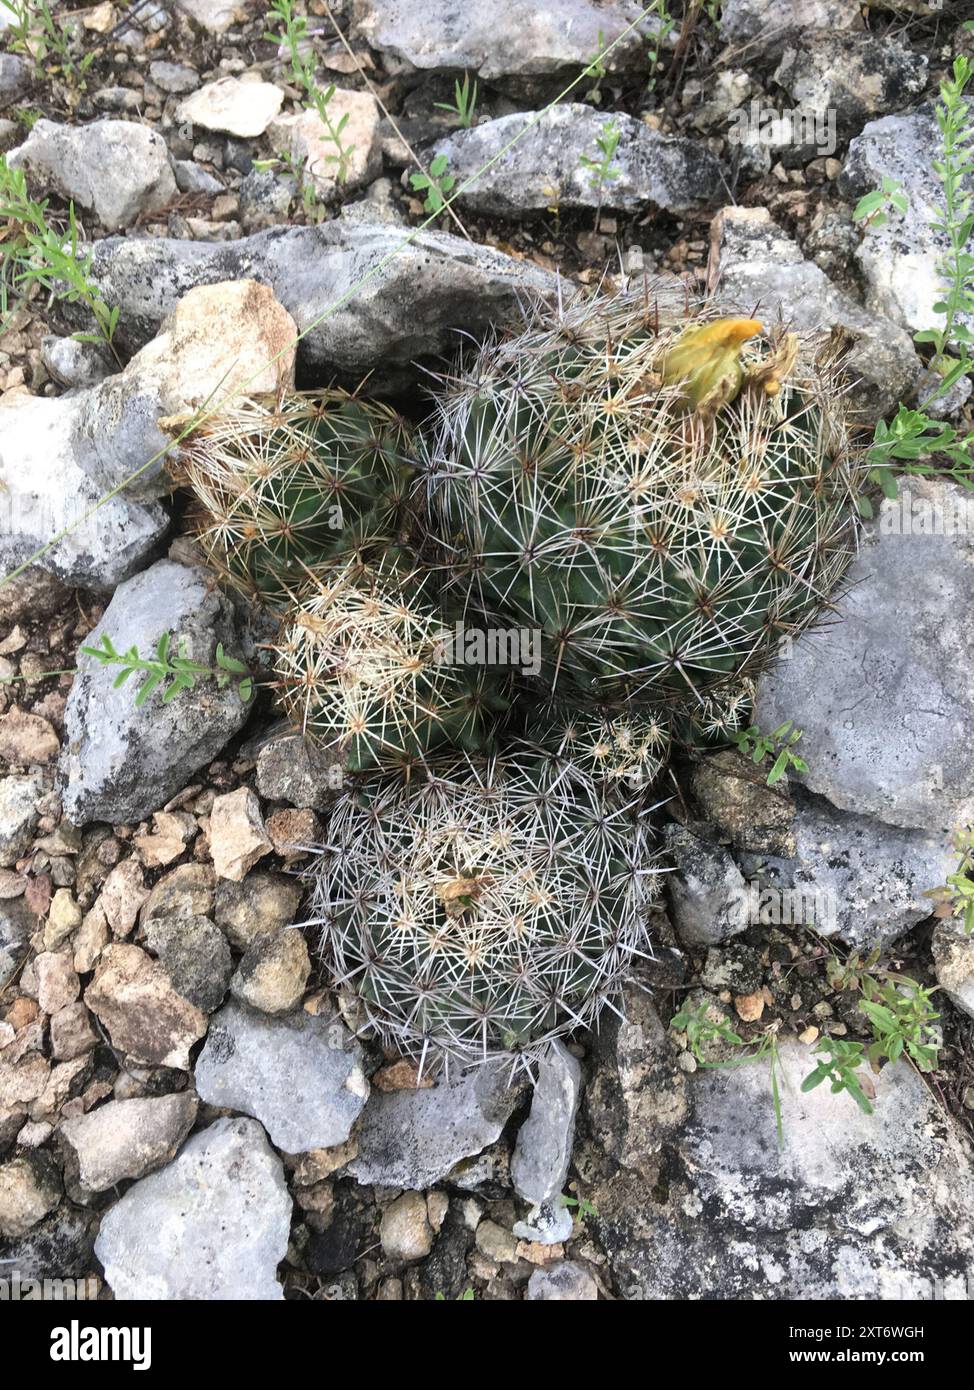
(403, 307)
(543, 1149)
(274, 971)
(215, 16)
(850, 76)
(851, 876)
(262, 903)
(121, 762)
(953, 962)
(29, 1188)
(900, 261)
(265, 199)
(761, 267)
(44, 488)
(11, 134)
(75, 364)
(125, 1139)
(59, 1247)
(887, 710)
(300, 1075)
(174, 78)
(147, 18)
(635, 1100)
(212, 1225)
(15, 76)
(119, 100)
(545, 169)
(706, 890)
(493, 39)
(193, 178)
(94, 456)
(771, 21)
(196, 956)
(117, 170)
(564, 1282)
(290, 769)
(891, 1194)
(412, 1139)
(549, 1223)
(19, 795)
(17, 924)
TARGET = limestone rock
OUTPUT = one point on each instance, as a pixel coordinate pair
(300, 1075)
(126, 1138)
(145, 1017)
(213, 1224)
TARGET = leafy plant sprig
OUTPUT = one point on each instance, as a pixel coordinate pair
(314, 208)
(580, 1206)
(602, 170)
(464, 105)
(36, 33)
(840, 1060)
(757, 746)
(656, 38)
(901, 1017)
(849, 973)
(436, 183)
(173, 673)
(34, 252)
(597, 70)
(906, 443)
(955, 221)
(293, 42)
(871, 209)
(899, 1012)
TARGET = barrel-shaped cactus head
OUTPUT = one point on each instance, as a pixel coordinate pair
(626, 748)
(283, 483)
(658, 494)
(364, 668)
(479, 911)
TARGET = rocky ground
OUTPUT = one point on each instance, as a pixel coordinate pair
(163, 1028)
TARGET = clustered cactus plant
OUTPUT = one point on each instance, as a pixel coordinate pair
(628, 482)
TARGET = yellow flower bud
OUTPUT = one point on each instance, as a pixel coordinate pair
(707, 362)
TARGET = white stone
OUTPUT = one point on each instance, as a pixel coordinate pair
(334, 167)
(232, 106)
(116, 169)
(213, 1224)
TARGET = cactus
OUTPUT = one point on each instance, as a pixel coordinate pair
(283, 484)
(663, 506)
(629, 748)
(363, 668)
(481, 909)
